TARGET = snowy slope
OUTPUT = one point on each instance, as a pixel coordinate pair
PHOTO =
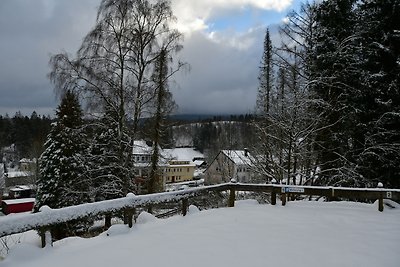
(299, 234)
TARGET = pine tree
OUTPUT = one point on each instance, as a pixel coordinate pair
(63, 179)
(110, 159)
(266, 77)
(336, 76)
(163, 105)
(378, 105)
(286, 134)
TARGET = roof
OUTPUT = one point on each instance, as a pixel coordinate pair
(182, 153)
(18, 174)
(140, 147)
(18, 201)
(239, 157)
(190, 164)
(20, 188)
(25, 160)
(199, 162)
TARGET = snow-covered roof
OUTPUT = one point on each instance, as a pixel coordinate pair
(182, 153)
(239, 157)
(18, 174)
(18, 201)
(173, 164)
(140, 147)
(199, 162)
(25, 160)
(20, 188)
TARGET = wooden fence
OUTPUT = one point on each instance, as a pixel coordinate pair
(47, 218)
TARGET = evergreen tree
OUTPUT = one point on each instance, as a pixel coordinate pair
(164, 105)
(378, 104)
(110, 159)
(336, 72)
(286, 131)
(265, 77)
(63, 180)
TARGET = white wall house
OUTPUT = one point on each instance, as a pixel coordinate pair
(230, 164)
(192, 164)
(141, 153)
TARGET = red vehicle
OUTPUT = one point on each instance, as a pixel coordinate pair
(17, 205)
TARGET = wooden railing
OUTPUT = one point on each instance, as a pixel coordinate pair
(47, 218)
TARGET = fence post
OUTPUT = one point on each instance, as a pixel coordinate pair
(231, 201)
(380, 201)
(128, 214)
(107, 221)
(380, 208)
(283, 198)
(185, 204)
(273, 196)
(380, 204)
(46, 237)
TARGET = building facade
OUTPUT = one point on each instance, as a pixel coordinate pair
(177, 171)
(230, 164)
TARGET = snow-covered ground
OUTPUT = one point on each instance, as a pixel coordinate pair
(298, 234)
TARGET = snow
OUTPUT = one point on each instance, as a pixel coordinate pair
(183, 153)
(239, 157)
(20, 188)
(198, 162)
(18, 201)
(15, 174)
(140, 147)
(300, 234)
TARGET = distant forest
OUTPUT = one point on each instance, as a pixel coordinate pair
(204, 132)
(28, 134)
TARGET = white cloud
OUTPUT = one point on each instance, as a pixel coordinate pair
(237, 40)
(285, 20)
(194, 15)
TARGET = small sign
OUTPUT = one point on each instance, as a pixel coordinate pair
(294, 190)
(388, 194)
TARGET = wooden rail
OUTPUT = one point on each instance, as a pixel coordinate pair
(49, 217)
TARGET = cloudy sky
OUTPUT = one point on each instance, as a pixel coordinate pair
(223, 45)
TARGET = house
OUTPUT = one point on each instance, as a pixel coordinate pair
(191, 162)
(142, 152)
(175, 165)
(28, 165)
(17, 205)
(9, 155)
(20, 191)
(230, 164)
(14, 178)
(2, 179)
(179, 171)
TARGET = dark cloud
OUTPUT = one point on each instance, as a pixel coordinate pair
(223, 76)
(30, 32)
(224, 72)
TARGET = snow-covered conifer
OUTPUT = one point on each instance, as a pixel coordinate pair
(63, 180)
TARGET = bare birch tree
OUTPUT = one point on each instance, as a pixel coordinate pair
(113, 67)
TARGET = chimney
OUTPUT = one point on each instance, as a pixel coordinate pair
(246, 152)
